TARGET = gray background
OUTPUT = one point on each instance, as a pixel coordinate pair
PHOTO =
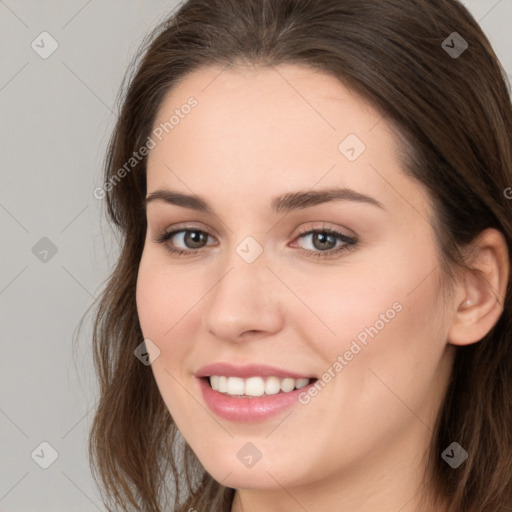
(56, 116)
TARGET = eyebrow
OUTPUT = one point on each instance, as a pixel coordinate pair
(291, 201)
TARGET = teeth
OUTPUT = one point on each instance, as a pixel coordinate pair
(214, 381)
(272, 386)
(236, 386)
(255, 386)
(223, 384)
(287, 385)
(300, 383)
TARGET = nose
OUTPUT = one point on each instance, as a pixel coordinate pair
(246, 302)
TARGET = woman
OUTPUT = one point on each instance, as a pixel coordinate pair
(312, 307)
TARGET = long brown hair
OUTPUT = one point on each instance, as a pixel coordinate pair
(453, 115)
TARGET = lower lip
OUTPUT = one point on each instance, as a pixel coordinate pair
(248, 409)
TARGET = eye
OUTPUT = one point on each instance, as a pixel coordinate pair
(193, 240)
(323, 242)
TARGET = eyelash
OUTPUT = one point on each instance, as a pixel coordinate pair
(349, 243)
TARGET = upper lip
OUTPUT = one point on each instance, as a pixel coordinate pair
(245, 371)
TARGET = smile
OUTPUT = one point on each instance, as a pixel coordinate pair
(255, 386)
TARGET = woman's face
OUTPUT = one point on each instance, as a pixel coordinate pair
(266, 281)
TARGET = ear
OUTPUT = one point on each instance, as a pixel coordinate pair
(481, 295)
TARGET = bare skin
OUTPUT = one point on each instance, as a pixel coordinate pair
(359, 444)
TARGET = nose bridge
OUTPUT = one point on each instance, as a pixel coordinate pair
(244, 297)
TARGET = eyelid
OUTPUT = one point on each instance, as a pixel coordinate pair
(312, 226)
(186, 226)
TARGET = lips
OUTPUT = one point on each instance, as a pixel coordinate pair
(246, 371)
(249, 408)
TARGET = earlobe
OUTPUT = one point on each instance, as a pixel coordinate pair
(483, 289)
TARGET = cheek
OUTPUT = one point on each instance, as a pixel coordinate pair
(365, 298)
(164, 294)
(162, 304)
(382, 314)
(149, 301)
(168, 306)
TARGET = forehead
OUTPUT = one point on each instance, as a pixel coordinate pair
(283, 104)
(283, 128)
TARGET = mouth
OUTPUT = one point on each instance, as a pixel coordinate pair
(255, 387)
(251, 392)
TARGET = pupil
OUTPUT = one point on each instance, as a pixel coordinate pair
(323, 239)
(194, 239)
